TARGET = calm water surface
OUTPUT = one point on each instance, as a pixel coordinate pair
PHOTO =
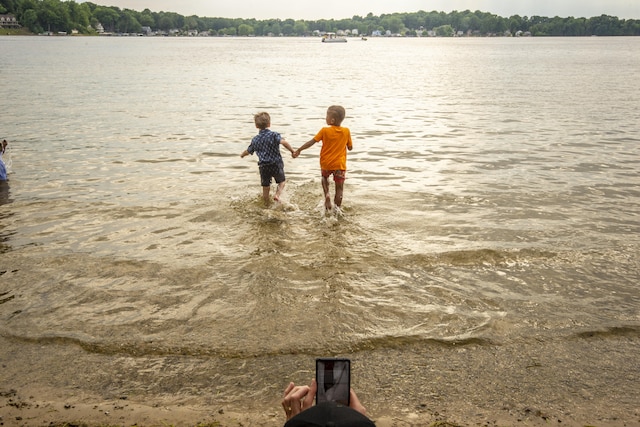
(492, 196)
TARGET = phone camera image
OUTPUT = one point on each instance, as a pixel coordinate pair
(334, 380)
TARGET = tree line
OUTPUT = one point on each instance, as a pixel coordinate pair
(67, 16)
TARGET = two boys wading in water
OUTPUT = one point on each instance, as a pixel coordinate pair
(336, 140)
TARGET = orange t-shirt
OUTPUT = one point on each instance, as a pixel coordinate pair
(335, 141)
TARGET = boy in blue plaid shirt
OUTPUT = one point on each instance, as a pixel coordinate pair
(266, 144)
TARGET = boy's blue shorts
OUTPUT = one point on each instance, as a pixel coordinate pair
(269, 171)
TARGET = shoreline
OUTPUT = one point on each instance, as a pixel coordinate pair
(79, 410)
(16, 410)
(584, 381)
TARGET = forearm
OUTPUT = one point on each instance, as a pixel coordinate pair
(287, 146)
(307, 145)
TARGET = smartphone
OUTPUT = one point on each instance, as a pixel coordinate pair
(334, 380)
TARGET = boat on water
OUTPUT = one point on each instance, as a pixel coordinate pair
(333, 38)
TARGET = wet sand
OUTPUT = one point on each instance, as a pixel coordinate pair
(589, 379)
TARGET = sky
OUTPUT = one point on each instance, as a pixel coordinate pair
(339, 9)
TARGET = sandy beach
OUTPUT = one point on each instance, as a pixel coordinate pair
(34, 411)
(51, 410)
(581, 384)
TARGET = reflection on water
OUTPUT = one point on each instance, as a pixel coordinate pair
(492, 196)
(5, 192)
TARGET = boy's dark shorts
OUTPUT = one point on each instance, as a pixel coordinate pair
(338, 175)
(269, 171)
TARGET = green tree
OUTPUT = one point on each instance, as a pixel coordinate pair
(322, 26)
(434, 19)
(53, 16)
(514, 24)
(259, 28)
(190, 23)
(107, 16)
(631, 27)
(413, 20)
(80, 16)
(146, 20)
(445, 31)
(276, 29)
(166, 22)
(8, 6)
(245, 30)
(393, 24)
(493, 24)
(300, 28)
(287, 29)
(604, 25)
(253, 23)
(574, 27)
(364, 28)
(30, 20)
(127, 23)
(220, 23)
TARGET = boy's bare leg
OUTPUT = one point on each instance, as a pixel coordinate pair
(265, 195)
(339, 191)
(279, 191)
(327, 196)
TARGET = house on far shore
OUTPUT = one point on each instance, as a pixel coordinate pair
(9, 21)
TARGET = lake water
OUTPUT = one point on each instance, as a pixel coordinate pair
(492, 201)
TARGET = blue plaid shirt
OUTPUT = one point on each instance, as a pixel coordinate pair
(266, 144)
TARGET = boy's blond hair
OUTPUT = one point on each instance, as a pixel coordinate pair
(337, 113)
(262, 120)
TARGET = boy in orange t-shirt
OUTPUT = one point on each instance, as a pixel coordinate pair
(333, 154)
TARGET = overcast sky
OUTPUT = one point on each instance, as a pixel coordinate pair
(338, 9)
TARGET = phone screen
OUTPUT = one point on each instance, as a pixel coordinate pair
(334, 380)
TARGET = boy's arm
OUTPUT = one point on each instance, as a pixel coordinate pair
(287, 145)
(304, 147)
(244, 153)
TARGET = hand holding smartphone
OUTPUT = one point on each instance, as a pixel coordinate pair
(333, 377)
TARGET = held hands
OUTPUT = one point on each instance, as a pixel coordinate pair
(299, 398)
(294, 153)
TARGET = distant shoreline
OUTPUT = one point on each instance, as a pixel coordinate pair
(91, 19)
(27, 33)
